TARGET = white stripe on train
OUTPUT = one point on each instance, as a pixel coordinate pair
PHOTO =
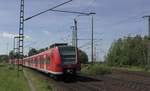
(48, 71)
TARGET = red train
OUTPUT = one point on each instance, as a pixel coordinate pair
(57, 60)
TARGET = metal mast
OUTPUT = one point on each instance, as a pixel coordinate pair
(148, 51)
(148, 58)
(21, 36)
(92, 56)
(76, 30)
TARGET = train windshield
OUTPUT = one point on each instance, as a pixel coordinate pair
(68, 54)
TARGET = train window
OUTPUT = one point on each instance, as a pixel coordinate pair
(47, 60)
(41, 60)
(33, 61)
(38, 60)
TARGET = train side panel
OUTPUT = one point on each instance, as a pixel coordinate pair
(56, 61)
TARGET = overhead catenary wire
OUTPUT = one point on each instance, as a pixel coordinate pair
(84, 45)
(134, 17)
(47, 10)
(91, 3)
(51, 9)
(74, 12)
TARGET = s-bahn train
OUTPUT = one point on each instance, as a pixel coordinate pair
(59, 59)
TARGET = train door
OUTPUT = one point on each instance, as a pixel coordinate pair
(29, 62)
(40, 62)
(32, 62)
(36, 62)
(44, 62)
(47, 62)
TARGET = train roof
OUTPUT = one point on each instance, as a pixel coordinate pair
(58, 44)
(42, 53)
(45, 52)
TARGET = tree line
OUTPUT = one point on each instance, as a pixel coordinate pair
(128, 51)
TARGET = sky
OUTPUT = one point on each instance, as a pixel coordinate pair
(114, 19)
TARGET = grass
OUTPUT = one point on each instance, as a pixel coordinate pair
(40, 84)
(95, 69)
(102, 69)
(132, 68)
(9, 81)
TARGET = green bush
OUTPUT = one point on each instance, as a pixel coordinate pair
(131, 51)
(96, 69)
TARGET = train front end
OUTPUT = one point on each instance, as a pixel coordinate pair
(69, 59)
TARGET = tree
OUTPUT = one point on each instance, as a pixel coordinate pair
(11, 54)
(33, 51)
(131, 51)
(3, 58)
(83, 56)
(41, 50)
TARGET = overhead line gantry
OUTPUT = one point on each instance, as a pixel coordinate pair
(21, 26)
(21, 31)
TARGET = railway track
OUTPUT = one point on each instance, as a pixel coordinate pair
(135, 73)
(135, 85)
(97, 83)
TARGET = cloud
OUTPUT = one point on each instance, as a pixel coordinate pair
(46, 32)
(11, 35)
(8, 35)
(28, 37)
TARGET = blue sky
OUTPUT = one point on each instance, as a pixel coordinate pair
(114, 19)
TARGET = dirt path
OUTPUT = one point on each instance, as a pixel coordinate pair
(32, 88)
